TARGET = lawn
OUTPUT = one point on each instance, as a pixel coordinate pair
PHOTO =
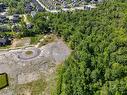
(3, 80)
(5, 47)
(29, 52)
(35, 40)
(36, 87)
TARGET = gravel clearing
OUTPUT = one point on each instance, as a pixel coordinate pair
(22, 68)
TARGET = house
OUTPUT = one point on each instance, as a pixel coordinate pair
(28, 8)
(4, 28)
(3, 19)
(33, 13)
(89, 7)
(16, 15)
(29, 26)
(39, 8)
(16, 18)
(65, 5)
(96, 1)
(2, 7)
(15, 28)
(5, 41)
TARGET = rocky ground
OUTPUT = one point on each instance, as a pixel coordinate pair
(27, 70)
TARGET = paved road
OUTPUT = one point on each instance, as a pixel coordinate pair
(63, 9)
(52, 11)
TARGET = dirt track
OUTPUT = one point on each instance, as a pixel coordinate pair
(22, 68)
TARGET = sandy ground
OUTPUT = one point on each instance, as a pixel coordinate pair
(20, 42)
(23, 69)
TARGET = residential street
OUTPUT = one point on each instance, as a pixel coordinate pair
(63, 9)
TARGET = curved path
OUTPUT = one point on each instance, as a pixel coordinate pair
(42, 5)
(63, 9)
(34, 53)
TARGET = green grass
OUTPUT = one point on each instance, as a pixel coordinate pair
(47, 39)
(3, 80)
(29, 52)
(35, 40)
(35, 87)
(5, 47)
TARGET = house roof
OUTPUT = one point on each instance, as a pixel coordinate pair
(29, 25)
(33, 13)
(15, 18)
(3, 40)
(2, 5)
(2, 16)
(16, 15)
(90, 6)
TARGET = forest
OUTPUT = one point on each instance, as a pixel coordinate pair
(98, 38)
(98, 64)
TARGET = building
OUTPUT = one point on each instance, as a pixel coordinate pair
(96, 1)
(4, 28)
(2, 7)
(3, 19)
(16, 15)
(89, 7)
(33, 13)
(39, 8)
(16, 28)
(28, 8)
(5, 41)
(16, 18)
(29, 26)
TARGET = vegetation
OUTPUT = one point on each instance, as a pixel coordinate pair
(29, 52)
(3, 80)
(98, 63)
(15, 5)
(98, 38)
(35, 87)
(5, 47)
(36, 39)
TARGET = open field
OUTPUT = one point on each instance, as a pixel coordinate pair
(31, 70)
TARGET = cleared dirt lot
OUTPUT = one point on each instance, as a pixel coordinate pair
(25, 70)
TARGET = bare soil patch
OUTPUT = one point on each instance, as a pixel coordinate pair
(31, 71)
(20, 42)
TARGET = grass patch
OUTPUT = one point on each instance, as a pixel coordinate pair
(35, 87)
(29, 52)
(3, 80)
(5, 47)
(47, 39)
(35, 40)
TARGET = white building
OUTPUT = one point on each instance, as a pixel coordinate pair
(90, 7)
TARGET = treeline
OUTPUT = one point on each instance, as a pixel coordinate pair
(98, 63)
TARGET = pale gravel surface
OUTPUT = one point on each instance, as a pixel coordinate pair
(22, 69)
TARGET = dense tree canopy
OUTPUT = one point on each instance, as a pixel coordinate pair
(98, 63)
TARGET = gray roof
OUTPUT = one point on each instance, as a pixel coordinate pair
(3, 40)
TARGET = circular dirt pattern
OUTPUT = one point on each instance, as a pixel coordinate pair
(29, 53)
